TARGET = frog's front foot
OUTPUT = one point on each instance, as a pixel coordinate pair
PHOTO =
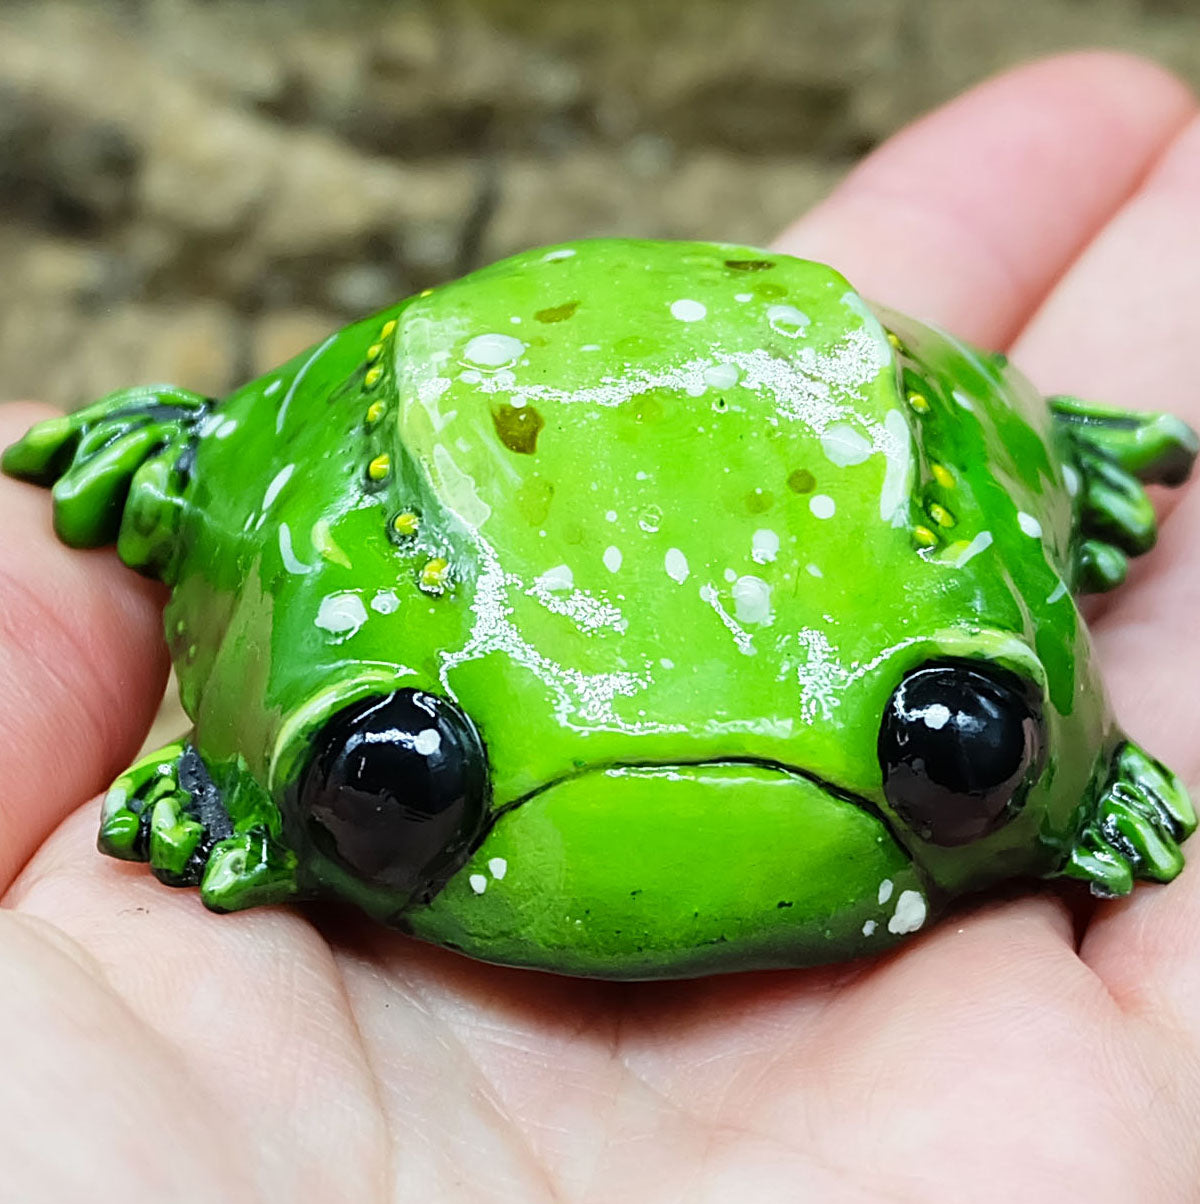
(167, 811)
(1142, 816)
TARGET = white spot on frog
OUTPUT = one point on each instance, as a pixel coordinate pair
(558, 578)
(752, 600)
(822, 505)
(290, 561)
(498, 867)
(868, 929)
(341, 614)
(225, 429)
(385, 602)
(273, 388)
(721, 376)
(845, 446)
(885, 890)
(561, 253)
(493, 350)
(910, 912)
(610, 516)
(1029, 525)
(897, 450)
(741, 637)
(980, 543)
(478, 883)
(612, 558)
(963, 400)
(764, 545)
(1071, 477)
(787, 320)
(280, 479)
(675, 562)
(685, 310)
(427, 741)
(813, 570)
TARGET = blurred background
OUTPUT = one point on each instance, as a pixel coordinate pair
(194, 190)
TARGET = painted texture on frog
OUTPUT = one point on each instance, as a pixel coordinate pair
(631, 609)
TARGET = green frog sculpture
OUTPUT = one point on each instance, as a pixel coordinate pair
(631, 609)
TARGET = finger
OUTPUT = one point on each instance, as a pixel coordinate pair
(82, 664)
(968, 217)
(252, 1004)
(1122, 324)
(78, 1073)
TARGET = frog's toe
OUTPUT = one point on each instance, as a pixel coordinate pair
(1142, 816)
(1115, 453)
(165, 810)
(251, 869)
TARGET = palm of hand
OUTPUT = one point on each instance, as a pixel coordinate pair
(152, 1052)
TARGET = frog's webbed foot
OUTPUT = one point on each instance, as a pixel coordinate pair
(118, 469)
(1115, 453)
(167, 811)
(1142, 816)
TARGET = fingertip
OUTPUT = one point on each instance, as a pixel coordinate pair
(968, 216)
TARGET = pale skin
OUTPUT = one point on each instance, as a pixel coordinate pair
(1035, 1047)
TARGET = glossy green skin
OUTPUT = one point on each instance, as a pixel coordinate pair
(700, 517)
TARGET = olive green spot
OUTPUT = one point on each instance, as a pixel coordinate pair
(518, 428)
(759, 501)
(749, 265)
(801, 481)
(769, 291)
(533, 500)
(557, 313)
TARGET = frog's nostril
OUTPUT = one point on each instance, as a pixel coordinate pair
(396, 791)
(959, 744)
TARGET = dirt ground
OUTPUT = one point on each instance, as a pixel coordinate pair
(193, 191)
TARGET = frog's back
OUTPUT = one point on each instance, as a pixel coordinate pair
(692, 453)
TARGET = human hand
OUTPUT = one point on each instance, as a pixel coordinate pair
(1027, 1048)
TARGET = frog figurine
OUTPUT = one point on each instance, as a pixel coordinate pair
(631, 609)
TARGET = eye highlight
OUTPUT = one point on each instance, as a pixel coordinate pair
(396, 790)
(959, 743)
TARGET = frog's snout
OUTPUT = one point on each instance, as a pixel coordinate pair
(394, 794)
(644, 870)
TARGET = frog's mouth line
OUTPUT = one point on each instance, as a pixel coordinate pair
(779, 767)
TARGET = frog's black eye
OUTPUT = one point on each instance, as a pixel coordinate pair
(396, 790)
(959, 744)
